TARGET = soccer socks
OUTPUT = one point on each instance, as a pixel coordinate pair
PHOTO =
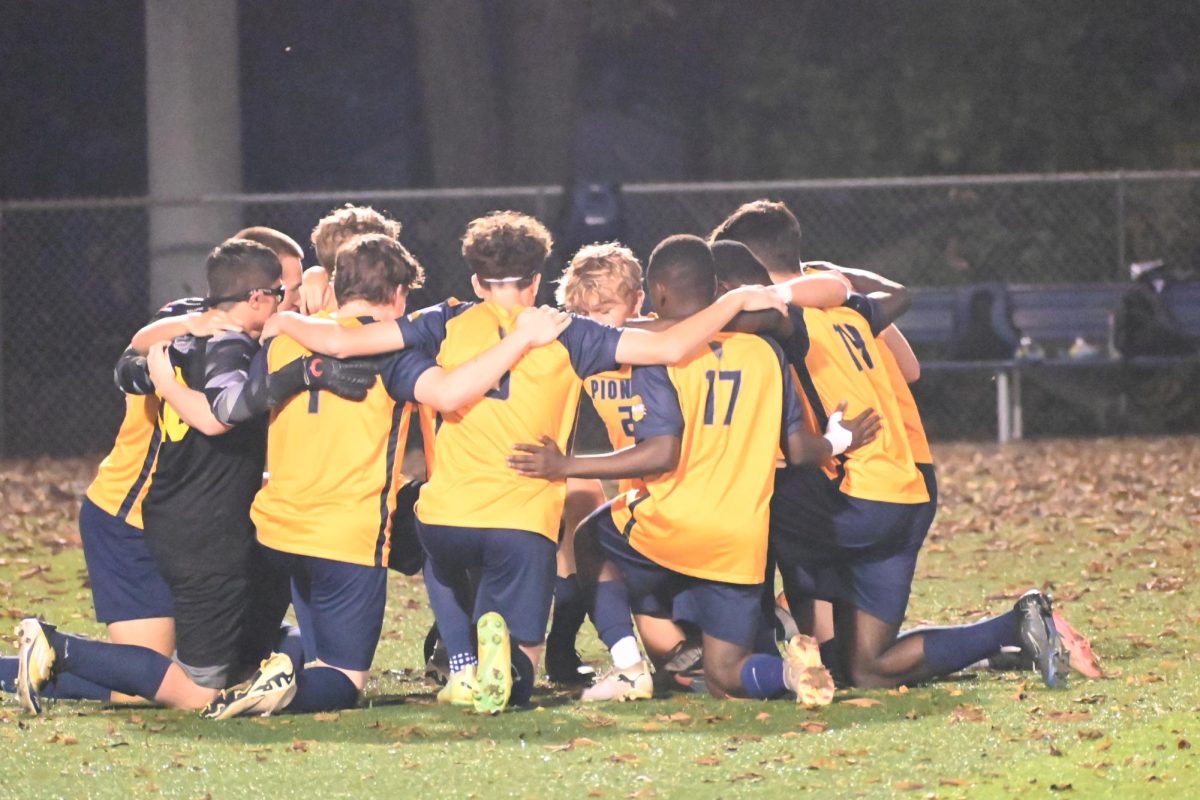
(61, 687)
(322, 689)
(124, 668)
(951, 649)
(523, 677)
(762, 677)
(611, 614)
(453, 620)
(291, 644)
(569, 611)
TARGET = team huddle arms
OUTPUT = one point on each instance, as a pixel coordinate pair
(760, 420)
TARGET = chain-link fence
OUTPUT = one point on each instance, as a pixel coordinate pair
(74, 274)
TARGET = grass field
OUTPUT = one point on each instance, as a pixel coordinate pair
(1110, 526)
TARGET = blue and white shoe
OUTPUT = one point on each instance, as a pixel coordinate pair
(1040, 640)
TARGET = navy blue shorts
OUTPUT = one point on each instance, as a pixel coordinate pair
(516, 572)
(126, 583)
(730, 612)
(339, 607)
(834, 547)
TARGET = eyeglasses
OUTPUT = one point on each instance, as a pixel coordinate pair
(275, 291)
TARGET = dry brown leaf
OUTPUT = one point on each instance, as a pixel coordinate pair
(708, 761)
(861, 702)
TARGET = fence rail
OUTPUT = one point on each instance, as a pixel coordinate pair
(74, 273)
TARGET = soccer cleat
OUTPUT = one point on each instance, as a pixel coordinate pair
(634, 683)
(1040, 640)
(437, 659)
(804, 673)
(564, 666)
(269, 689)
(1079, 649)
(683, 669)
(35, 663)
(459, 689)
(493, 678)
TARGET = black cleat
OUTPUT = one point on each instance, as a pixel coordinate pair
(1039, 638)
(437, 660)
(565, 667)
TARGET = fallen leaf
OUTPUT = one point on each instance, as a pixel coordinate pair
(861, 702)
(302, 745)
(952, 782)
(327, 716)
(623, 758)
(908, 786)
(763, 716)
(708, 761)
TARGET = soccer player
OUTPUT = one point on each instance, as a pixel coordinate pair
(227, 602)
(708, 432)
(474, 512)
(329, 530)
(849, 535)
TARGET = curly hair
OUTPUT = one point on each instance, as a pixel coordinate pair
(341, 224)
(593, 272)
(370, 267)
(506, 244)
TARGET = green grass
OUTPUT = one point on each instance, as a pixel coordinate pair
(1111, 526)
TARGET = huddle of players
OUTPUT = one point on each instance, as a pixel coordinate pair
(684, 547)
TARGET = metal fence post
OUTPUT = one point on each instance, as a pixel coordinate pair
(3, 398)
(1120, 225)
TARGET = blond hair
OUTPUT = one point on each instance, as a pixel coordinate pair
(588, 276)
(342, 224)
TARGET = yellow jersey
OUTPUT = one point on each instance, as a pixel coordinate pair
(335, 464)
(730, 403)
(842, 362)
(124, 475)
(472, 486)
(612, 396)
(914, 429)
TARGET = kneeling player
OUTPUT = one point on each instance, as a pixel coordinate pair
(708, 437)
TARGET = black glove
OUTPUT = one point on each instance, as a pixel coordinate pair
(350, 379)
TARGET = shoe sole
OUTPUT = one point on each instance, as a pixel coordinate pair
(247, 704)
(27, 693)
(493, 678)
(1057, 662)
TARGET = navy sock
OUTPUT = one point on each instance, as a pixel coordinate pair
(611, 615)
(950, 649)
(120, 667)
(762, 676)
(292, 644)
(322, 689)
(569, 610)
(523, 678)
(450, 610)
(62, 687)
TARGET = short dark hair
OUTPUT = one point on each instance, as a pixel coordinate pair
(239, 266)
(737, 265)
(370, 267)
(280, 242)
(768, 228)
(684, 265)
(506, 244)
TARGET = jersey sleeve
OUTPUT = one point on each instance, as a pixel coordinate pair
(795, 347)
(869, 309)
(227, 365)
(592, 347)
(425, 329)
(402, 370)
(661, 413)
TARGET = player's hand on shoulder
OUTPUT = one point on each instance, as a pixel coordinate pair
(759, 298)
(158, 362)
(350, 378)
(316, 291)
(273, 326)
(543, 460)
(542, 325)
(209, 323)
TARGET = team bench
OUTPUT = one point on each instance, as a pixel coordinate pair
(1053, 316)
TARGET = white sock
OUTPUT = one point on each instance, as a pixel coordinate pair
(625, 653)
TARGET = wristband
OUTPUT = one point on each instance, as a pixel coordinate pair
(839, 438)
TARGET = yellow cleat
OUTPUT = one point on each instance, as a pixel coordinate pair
(460, 688)
(804, 673)
(493, 683)
(268, 690)
(34, 664)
